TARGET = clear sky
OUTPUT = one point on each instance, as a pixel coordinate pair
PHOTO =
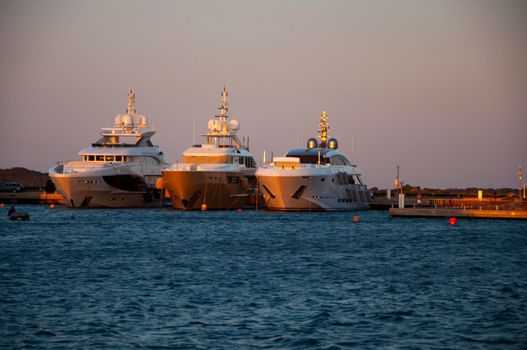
(437, 87)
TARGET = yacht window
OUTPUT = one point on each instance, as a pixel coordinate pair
(91, 158)
(99, 158)
(351, 180)
(84, 158)
(109, 158)
(233, 179)
(118, 158)
(310, 159)
(338, 160)
(360, 180)
(249, 162)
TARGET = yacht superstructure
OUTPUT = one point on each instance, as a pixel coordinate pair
(218, 174)
(318, 177)
(120, 170)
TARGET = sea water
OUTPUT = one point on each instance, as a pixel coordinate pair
(260, 280)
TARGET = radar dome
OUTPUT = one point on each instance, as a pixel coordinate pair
(333, 143)
(312, 143)
(214, 125)
(127, 120)
(234, 124)
(142, 121)
(118, 121)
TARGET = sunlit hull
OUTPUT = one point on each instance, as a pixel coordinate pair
(315, 192)
(94, 190)
(190, 190)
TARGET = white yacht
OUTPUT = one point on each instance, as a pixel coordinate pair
(318, 177)
(120, 170)
(218, 174)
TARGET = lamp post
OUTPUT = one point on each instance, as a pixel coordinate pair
(398, 186)
(520, 178)
(397, 182)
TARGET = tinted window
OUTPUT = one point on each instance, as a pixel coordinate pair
(338, 160)
(310, 159)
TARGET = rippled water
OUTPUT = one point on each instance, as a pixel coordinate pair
(234, 280)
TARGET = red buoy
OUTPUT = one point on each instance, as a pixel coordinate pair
(453, 221)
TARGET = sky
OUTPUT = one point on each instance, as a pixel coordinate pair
(438, 87)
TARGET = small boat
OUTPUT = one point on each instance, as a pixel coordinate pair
(14, 215)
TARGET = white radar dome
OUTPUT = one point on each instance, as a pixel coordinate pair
(214, 125)
(127, 120)
(234, 124)
(142, 121)
(118, 121)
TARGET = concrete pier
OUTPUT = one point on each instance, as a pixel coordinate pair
(459, 213)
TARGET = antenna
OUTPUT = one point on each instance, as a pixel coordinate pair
(193, 131)
(323, 131)
(224, 128)
(131, 102)
(224, 109)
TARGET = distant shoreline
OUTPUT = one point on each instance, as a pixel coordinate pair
(33, 179)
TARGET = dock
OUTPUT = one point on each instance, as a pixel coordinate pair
(31, 197)
(458, 213)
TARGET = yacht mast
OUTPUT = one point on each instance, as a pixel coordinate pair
(223, 111)
(223, 131)
(131, 103)
(323, 131)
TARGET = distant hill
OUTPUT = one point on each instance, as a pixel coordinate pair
(26, 177)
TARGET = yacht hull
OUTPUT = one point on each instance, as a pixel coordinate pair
(88, 191)
(219, 190)
(311, 193)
